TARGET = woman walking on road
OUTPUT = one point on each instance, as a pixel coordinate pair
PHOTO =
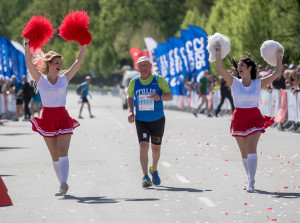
(247, 122)
(55, 124)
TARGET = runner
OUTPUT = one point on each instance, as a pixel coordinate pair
(55, 124)
(247, 122)
(85, 87)
(149, 91)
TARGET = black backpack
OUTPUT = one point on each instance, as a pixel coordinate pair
(79, 89)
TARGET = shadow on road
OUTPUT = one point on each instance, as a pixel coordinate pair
(177, 189)
(12, 147)
(15, 134)
(103, 200)
(279, 194)
(90, 200)
(2, 175)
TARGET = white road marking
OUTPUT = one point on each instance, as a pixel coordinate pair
(166, 164)
(207, 202)
(119, 124)
(183, 179)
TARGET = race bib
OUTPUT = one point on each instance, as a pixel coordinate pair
(145, 103)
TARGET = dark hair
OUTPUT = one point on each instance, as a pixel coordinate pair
(248, 61)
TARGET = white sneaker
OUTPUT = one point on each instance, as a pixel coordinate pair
(250, 187)
(59, 193)
(64, 188)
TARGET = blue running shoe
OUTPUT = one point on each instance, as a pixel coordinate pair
(155, 177)
(146, 182)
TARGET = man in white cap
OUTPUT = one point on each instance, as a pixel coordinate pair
(149, 91)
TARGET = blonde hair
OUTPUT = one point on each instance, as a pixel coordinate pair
(45, 59)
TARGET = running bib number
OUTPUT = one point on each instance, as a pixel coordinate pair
(145, 103)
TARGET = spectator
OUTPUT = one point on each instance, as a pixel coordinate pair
(202, 90)
(225, 93)
(27, 91)
(279, 83)
(36, 103)
(19, 97)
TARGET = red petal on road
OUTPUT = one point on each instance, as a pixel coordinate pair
(269, 208)
(168, 177)
(268, 217)
(226, 160)
(245, 204)
(226, 213)
(196, 154)
(126, 165)
(286, 187)
(225, 174)
(274, 219)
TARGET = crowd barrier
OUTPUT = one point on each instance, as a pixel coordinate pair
(281, 104)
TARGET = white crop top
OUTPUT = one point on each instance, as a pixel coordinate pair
(53, 95)
(245, 97)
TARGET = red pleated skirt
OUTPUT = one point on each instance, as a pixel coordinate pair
(53, 122)
(246, 121)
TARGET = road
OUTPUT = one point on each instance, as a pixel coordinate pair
(200, 167)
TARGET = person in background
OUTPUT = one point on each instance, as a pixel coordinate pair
(225, 93)
(17, 86)
(85, 87)
(36, 103)
(27, 91)
(202, 90)
(279, 83)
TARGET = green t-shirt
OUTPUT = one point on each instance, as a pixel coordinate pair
(203, 81)
(162, 83)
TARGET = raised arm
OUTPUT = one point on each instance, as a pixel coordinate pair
(75, 67)
(31, 67)
(269, 79)
(227, 77)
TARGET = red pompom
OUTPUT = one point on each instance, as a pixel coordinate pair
(39, 31)
(75, 27)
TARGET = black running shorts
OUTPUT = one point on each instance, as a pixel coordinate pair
(155, 130)
(85, 100)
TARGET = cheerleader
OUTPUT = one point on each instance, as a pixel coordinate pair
(247, 122)
(55, 124)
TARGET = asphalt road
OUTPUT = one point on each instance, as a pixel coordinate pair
(200, 167)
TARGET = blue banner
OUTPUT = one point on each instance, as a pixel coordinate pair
(174, 82)
(188, 43)
(12, 61)
(161, 60)
(201, 55)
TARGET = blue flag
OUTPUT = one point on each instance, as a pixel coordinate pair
(188, 43)
(174, 82)
(199, 37)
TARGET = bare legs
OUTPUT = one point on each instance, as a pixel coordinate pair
(89, 108)
(144, 148)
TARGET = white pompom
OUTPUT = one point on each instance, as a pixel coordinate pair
(268, 51)
(223, 41)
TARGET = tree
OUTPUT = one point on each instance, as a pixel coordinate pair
(107, 59)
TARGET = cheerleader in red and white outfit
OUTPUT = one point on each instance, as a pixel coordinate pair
(55, 124)
(247, 121)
